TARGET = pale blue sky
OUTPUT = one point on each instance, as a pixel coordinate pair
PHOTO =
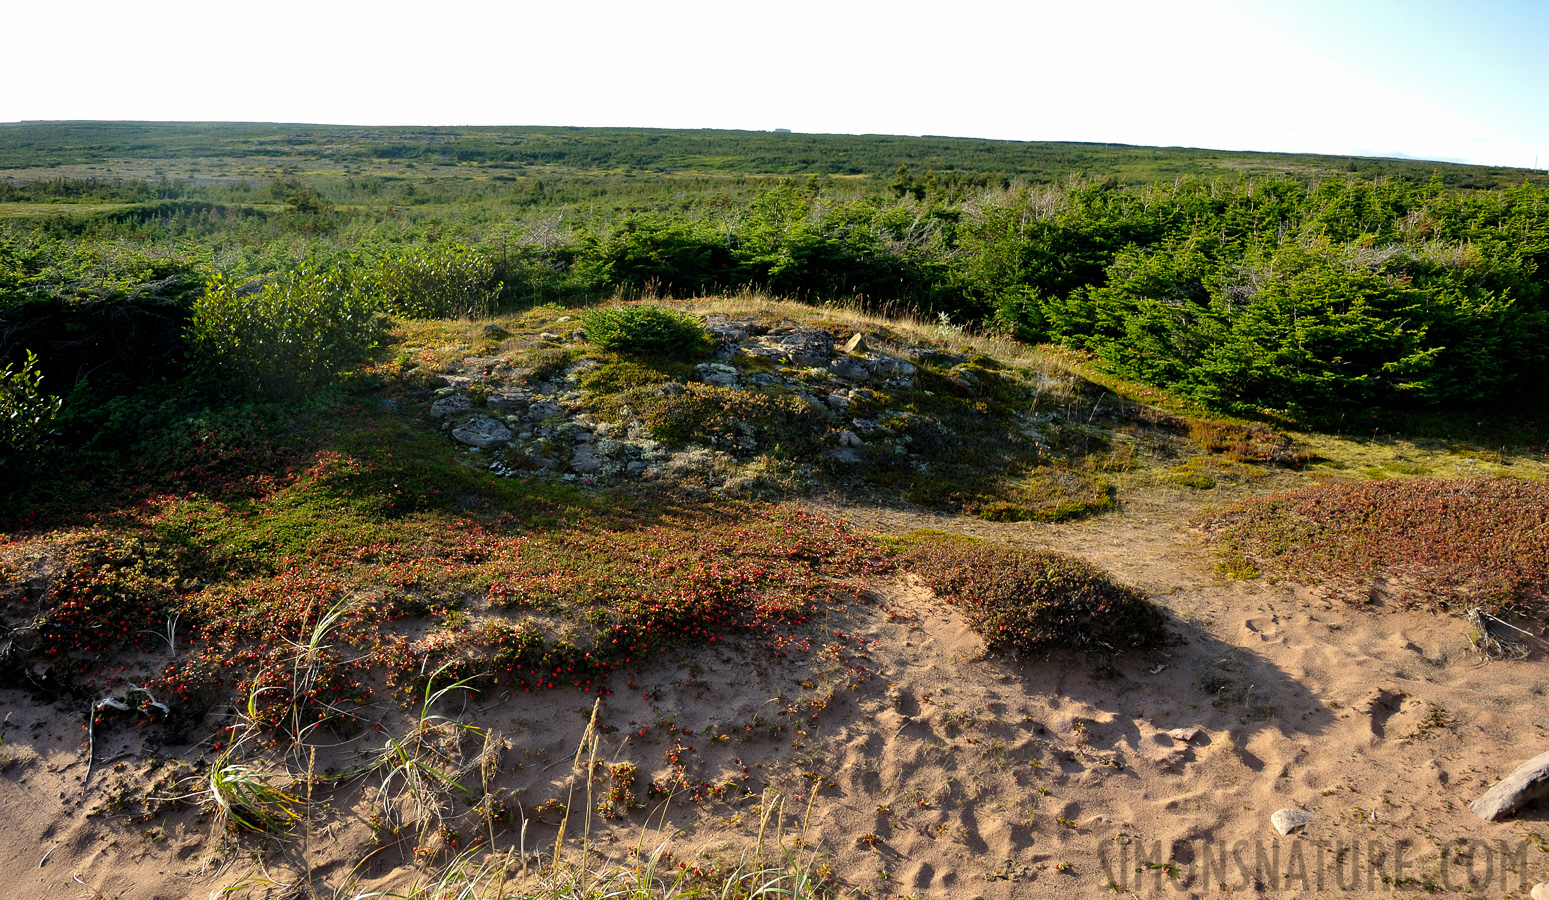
(1435, 79)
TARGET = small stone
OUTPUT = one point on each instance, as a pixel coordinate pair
(482, 432)
(496, 332)
(1184, 734)
(856, 344)
(848, 438)
(866, 426)
(1288, 820)
(762, 378)
(635, 468)
(540, 411)
(838, 402)
(1540, 891)
(551, 337)
(447, 406)
(1528, 782)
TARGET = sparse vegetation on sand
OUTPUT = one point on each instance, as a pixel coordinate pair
(1442, 542)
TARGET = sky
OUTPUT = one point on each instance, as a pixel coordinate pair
(1432, 79)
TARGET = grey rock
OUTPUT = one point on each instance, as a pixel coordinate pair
(848, 438)
(724, 352)
(450, 405)
(584, 437)
(635, 468)
(1185, 734)
(716, 375)
(670, 389)
(866, 426)
(1528, 782)
(482, 432)
(762, 378)
(389, 404)
(856, 344)
(586, 461)
(807, 348)
(543, 462)
(540, 411)
(843, 454)
(889, 367)
(548, 389)
(901, 383)
(1289, 820)
(507, 402)
(495, 331)
(838, 402)
(849, 370)
(551, 337)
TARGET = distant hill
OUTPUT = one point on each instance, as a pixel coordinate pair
(34, 145)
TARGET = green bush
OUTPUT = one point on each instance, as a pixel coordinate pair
(26, 413)
(1032, 601)
(644, 328)
(442, 282)
(288, 337)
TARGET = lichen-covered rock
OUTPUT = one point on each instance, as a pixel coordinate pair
(806, 348)
(482, 432)
(543, 410)
(849, 369)
(507, 402)
(450, 405)
(716, 374)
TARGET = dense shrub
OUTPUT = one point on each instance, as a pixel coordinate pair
(287, 337)
(645, 328)
(1032, 601)
(26, 414)
(1440, 540)
(440, 282)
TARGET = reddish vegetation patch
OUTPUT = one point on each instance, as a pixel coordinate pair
(1033, 601)
(1479, 541)
(300, 643)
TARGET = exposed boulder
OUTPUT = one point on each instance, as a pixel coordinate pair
(482, 432)
(849, 370)
(716, 374)
(807, 348)
(450, 405)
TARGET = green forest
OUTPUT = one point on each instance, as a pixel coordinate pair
(1325, 292)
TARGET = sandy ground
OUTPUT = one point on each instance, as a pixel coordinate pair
(912, 764)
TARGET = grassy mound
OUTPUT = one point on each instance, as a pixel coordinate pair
(1479, 541)
(1031, 601)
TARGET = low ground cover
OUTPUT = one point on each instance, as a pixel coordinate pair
(1449, 542)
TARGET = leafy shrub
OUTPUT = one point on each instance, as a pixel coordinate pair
(288, 337)
(1480, 541)
(444, 282)
(644, 328)
(25, 412)
(1032, 601)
